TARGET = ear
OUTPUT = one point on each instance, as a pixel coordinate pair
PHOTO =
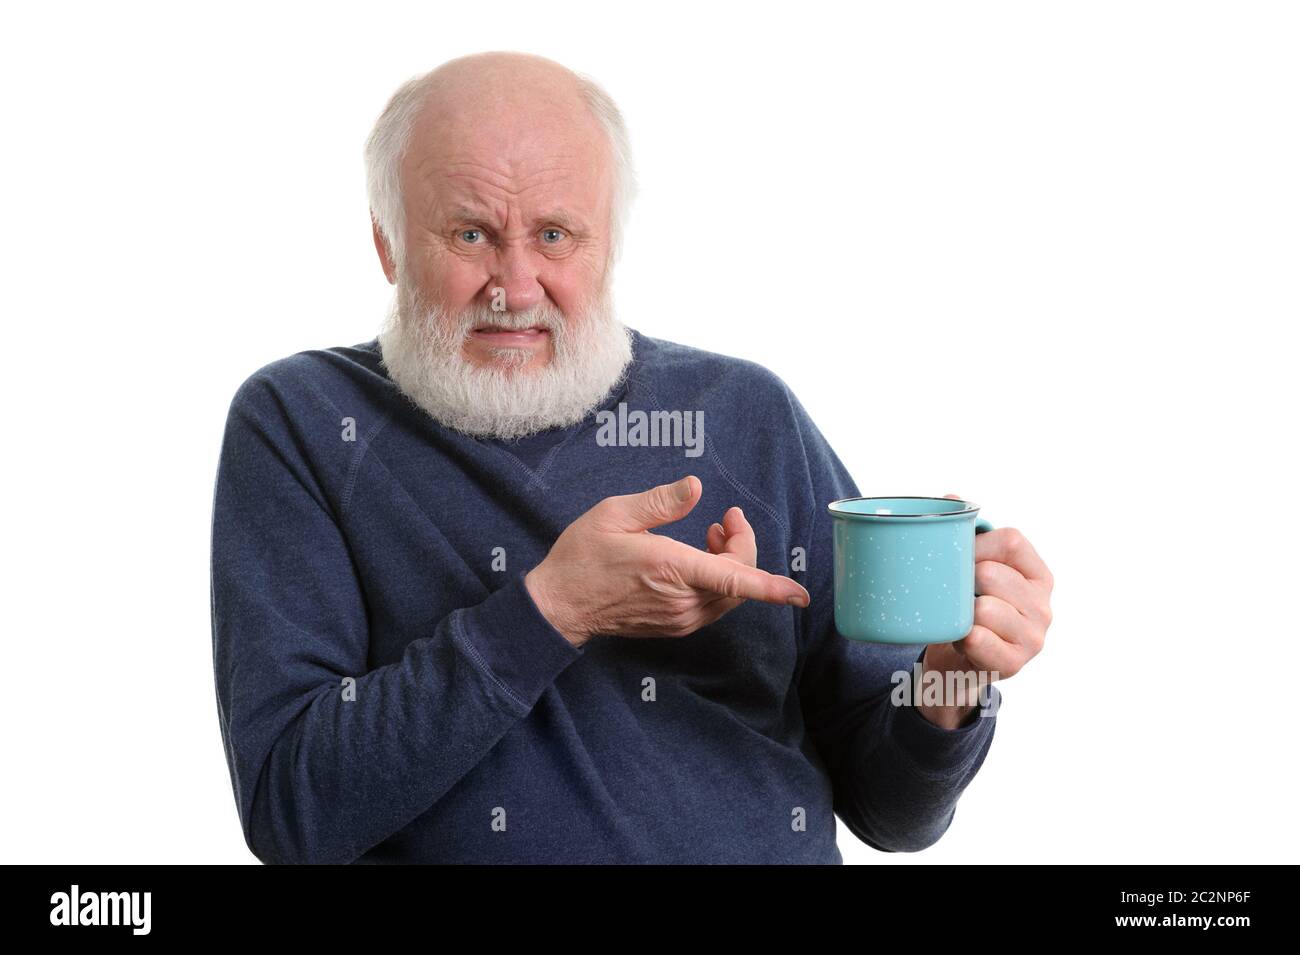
(385, 256)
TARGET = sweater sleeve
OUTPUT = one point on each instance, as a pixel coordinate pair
(324, 769)
(896, 776)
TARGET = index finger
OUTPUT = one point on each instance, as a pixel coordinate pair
(723, 575)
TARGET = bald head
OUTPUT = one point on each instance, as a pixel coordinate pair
(507, 113)
(470, 87)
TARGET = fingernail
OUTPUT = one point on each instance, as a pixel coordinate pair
(796, 600)
(684, 489)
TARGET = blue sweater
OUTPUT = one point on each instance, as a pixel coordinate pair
(389, 692)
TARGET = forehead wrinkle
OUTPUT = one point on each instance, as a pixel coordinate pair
(486, 172)
(493, 153)
(479, 175)
(472, 200)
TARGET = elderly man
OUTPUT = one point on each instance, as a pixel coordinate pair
(514, 583)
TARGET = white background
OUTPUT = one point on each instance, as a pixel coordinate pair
(1041, 255)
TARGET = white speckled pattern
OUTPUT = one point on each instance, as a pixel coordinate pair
(906, 579)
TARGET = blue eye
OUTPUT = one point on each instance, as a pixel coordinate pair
(559, 235)
(465, 232)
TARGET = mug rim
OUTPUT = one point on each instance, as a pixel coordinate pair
(833, 506)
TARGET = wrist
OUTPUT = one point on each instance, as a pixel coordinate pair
(953, 709)
(947, 717)
(551, 609)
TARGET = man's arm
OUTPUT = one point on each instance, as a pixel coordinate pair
(897, 775)
(321, 775)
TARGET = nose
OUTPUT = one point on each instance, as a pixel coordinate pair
(517, 273)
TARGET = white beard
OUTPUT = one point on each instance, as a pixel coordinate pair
(421, 346)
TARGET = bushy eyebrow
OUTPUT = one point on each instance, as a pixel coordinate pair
(480, 217)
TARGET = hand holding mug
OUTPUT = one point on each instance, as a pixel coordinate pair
(1013, 608)
(924, 570)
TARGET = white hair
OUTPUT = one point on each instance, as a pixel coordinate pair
(422, 345)
(387, 143)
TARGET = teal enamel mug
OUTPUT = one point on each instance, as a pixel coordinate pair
(905, 568)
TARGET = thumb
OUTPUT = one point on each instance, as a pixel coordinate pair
(659, 505)
(955, 497)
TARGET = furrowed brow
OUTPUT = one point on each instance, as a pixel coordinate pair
(481, 217)
(564, 219)
(471, 215)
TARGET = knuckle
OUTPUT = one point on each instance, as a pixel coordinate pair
(730, 584)
(978, 638)
(681, 627)
(676, 604)
(665, 573)
(986, 572)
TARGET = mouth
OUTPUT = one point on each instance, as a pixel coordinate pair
(502, 337)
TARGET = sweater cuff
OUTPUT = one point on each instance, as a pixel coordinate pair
(938, 750)
(514, 645)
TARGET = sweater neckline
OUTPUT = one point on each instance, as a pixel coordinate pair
(559, 439)
(556, 439)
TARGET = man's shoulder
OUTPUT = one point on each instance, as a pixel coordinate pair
(300, 405)
(333, 375)
(685, 371)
